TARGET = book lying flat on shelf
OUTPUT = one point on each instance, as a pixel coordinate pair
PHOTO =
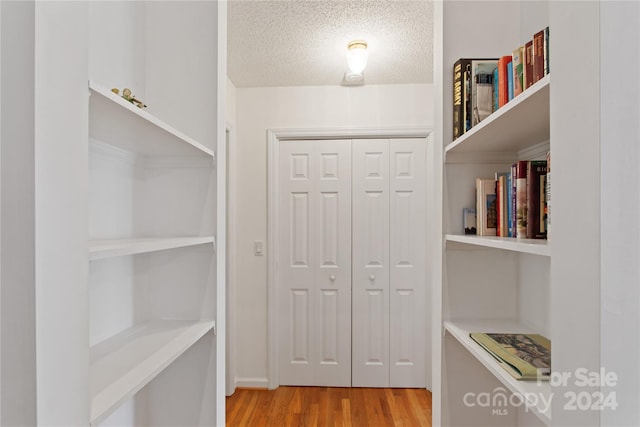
(524, 356)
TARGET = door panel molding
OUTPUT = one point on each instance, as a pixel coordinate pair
(274, 137)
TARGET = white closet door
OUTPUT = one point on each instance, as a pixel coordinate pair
(370, 263)
(408, 293)
(315, 263)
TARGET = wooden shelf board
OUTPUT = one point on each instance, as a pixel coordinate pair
(528, 246)
(117, 122)
(108, 248)
(460, 330)
(521, 123)
(123, 364)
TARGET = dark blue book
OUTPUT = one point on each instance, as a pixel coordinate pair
(510, 79)
(496, 104)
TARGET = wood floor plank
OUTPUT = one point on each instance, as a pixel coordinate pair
(421, 409)
(345, 414)
(326, 406)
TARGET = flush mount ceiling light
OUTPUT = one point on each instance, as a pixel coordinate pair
(357, 56)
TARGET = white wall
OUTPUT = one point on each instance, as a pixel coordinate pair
(61, 188)
(259, 109)
(620, 226)
(17, 245)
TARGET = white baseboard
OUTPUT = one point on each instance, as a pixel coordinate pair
(231, 388)
(252, 383)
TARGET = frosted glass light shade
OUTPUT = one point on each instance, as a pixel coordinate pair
(357, 56)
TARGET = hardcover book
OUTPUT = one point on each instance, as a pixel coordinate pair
(466, 96)
(458, 97)
(503, 80)
(499, 202)
(538, 56)
(482, 89)
(546, 51)
(536, 175)
(509, 206)
(521, 199)
(518, 65)
(510, 79)
(528, 65)
(502, 229)
(514, 219)
(472, 92)
(547, 195)
(524, 356)
(496, 104)
(486, 212)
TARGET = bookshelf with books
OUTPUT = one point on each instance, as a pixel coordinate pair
(495, 283)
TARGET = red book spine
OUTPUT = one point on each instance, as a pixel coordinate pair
(503, 80)
(521, 199)
(498, 209)
(514, 218)
(538, 56)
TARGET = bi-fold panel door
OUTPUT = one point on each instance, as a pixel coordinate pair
(388, 252)
(315, 263)
(352, 291)
(370, 259)
(407, 263)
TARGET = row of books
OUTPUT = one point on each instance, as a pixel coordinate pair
(513, 204)
(483, 85)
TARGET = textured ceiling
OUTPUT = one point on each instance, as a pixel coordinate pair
(304, 42)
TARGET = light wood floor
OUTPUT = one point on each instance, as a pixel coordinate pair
(324, 406)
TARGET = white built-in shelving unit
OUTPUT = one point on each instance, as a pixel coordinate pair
(112, 286)
(504, 135)
(126, 362)
(129, 359)
(521, 123)
(99, 249)
(487, 284)
(497, 284)
(122, 124)
(525, 246)
(460, 330)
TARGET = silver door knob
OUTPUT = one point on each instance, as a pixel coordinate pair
(332, 278)
(372, 277)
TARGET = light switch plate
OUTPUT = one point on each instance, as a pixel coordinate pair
(258, 248)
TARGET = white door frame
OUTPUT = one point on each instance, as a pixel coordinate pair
(230, 378)
(274, 137)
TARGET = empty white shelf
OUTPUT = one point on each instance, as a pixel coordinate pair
(527, 246)
(123, 364)
(117, 122)
(107, 248)
(460, 330)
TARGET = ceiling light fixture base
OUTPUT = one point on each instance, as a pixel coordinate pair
(353, 79)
